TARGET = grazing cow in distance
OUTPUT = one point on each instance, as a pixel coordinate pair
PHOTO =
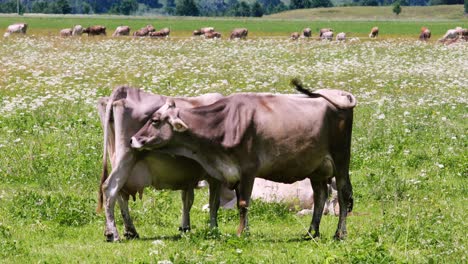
(121, 31)
(323, 30)
(123, 114)
(374, 32)
(163, 33)
(66, 32)
(95, 30)
(143, 32)
(425, 34)
(203, 31)
(464, 34)
(212, 35)
(77, 30)
(18, 28)
(282, 138)
(341, 36)
(327, 35)
(295, 35)
(307, 32)
(454, 35)
(239, 33)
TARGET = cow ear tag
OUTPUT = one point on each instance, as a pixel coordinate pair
(179, 125)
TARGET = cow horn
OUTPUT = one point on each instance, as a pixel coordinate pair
(170, 103)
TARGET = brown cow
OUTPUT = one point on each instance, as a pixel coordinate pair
(203, 31)
(294, 36)
(123, 114)
(374, 32)
(328, 35)
(307, 32)
(212, 35)
(143, 32)
(95, 30)
(121, 31)
(323, 30)
(66, 32)
(425, 34)
(282, 138)
(341, 36)
(464, 34)
(240, 33)
(163, 33)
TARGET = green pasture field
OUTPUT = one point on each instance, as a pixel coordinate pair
(280, 25)
(409, 149)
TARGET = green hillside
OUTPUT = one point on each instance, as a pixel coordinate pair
(442, 12)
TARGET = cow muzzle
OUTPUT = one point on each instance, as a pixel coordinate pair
(136, 144)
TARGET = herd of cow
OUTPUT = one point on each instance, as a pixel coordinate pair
(451, 36)
(176, 142)
(147, 31)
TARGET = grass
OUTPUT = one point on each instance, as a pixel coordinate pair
(409, 151)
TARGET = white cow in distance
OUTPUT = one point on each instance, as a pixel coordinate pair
(16, 29)
(77, 30)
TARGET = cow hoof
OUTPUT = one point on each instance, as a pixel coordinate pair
(339, 236)
(131, 235)
(184, 229)
(111, 238)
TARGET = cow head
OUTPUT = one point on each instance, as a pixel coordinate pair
(160, 128)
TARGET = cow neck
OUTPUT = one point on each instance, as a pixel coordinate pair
(206, 122)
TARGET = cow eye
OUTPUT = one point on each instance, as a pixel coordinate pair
(155, 122)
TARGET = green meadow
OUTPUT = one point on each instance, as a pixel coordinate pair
(355, 21)
(409, 149)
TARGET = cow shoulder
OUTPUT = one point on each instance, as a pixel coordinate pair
(239, 116)
(224, 121)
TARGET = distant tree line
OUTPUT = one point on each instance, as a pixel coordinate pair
(405, 2)
(240, 8)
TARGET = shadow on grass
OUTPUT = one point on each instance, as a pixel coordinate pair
(151, 238)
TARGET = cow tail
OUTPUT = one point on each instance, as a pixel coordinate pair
(300, 88)
(105, 172)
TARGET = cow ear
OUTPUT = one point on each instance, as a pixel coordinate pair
(178, 125)
(170, 103)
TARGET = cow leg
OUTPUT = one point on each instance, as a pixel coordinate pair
(243, 201)
(111, 189)
(345, 200)
(129, 231)
(122, 164)
(187, 202)
(215, 188)
(320, 197)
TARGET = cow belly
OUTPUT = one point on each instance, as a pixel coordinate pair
(172, 172)
(292, 168)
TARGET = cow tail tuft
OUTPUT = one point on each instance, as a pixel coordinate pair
(297, 83)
